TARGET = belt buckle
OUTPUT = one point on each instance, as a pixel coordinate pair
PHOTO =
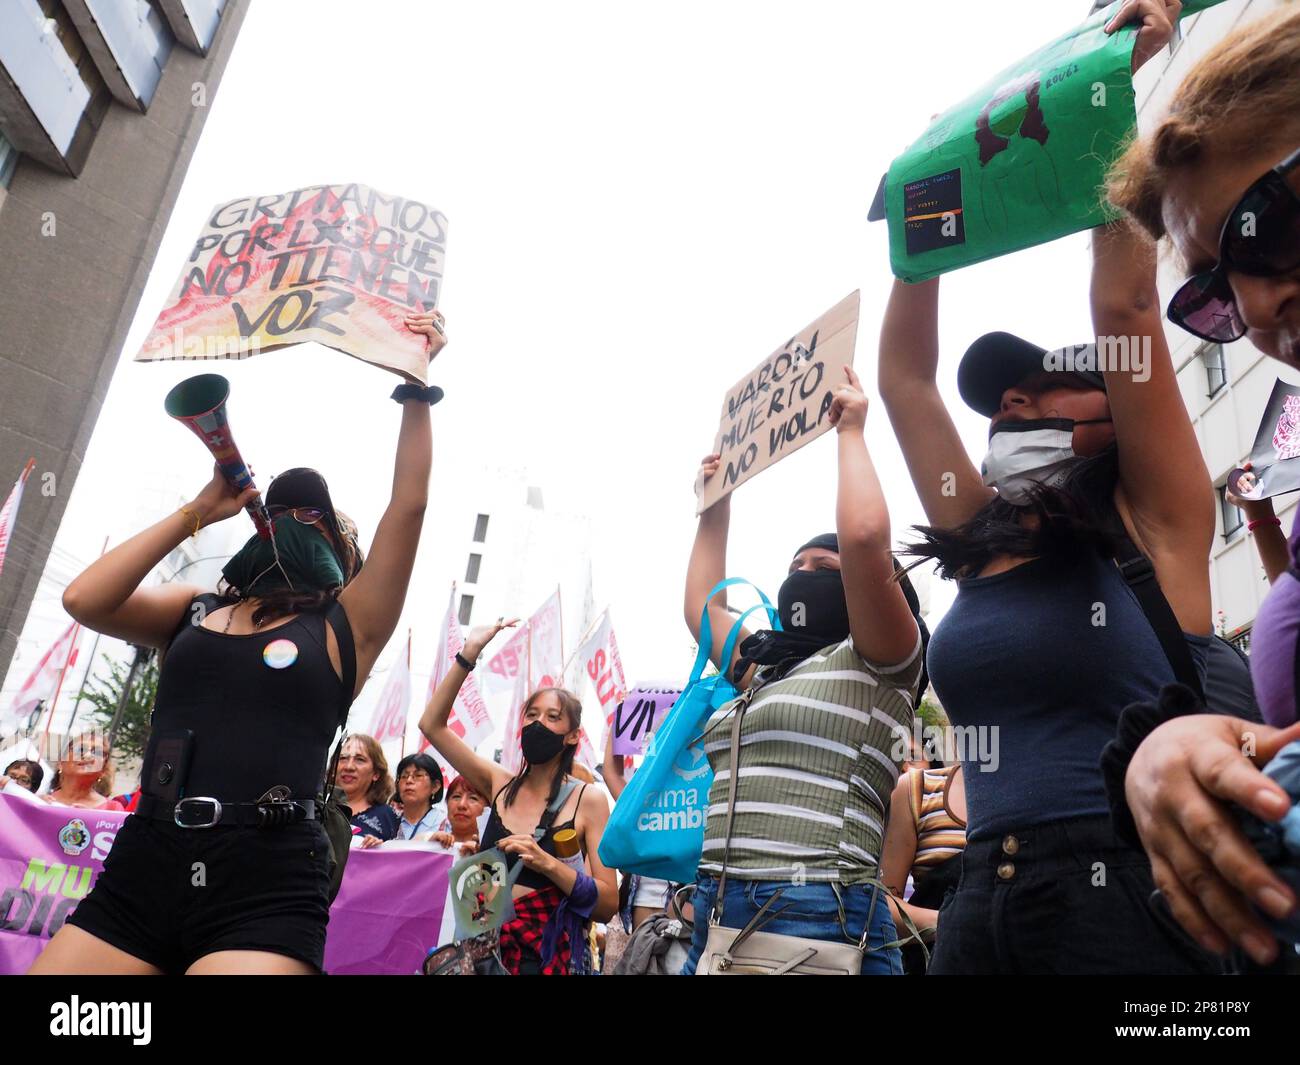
(213, 803)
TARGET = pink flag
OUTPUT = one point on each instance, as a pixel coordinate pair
(536, 649)
(389, 719)
(600, 662)
(469, 718)
(9, 512)
(512, 755)
(44, 680)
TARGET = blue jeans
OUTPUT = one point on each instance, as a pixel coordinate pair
(833, 912)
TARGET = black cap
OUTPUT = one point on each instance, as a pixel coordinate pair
(998, 361)
(304, 487)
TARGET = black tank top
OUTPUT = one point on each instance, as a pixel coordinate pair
(255, 725)
(495, 831)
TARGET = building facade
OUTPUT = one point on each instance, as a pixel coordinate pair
(101, 105)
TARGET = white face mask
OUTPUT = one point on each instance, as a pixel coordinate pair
(1025, 454)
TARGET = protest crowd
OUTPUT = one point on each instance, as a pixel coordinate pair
(799, 806)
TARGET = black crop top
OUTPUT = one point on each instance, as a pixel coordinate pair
(495, 831)
(262, 707)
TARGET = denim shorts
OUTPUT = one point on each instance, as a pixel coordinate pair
(832, 912)
(1062, 897)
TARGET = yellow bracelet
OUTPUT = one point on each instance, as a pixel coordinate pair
(189, 513)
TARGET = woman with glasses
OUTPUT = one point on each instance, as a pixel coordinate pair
(419, 789)
(223, 868)
(1046, 643)
(1219, 176)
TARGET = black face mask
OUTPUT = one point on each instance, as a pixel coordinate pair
(811, 603)
(540, 744)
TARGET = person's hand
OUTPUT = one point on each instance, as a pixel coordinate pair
(483, 635)
(446, 839)
(709, 467)
(1252, 508)
(432, 326)
(1202, 863)
(219, 500)
(849, 407)
(467, 848)
(529, 853)
(1156, 20)
(370, 841)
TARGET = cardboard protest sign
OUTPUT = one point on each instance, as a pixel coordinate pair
(784, 402)
(638, 715)
(341, 265)
(1275, 458)
(1019, 162)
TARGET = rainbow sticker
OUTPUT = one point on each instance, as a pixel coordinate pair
(280, 654)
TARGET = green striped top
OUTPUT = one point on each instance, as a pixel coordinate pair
(820, 752)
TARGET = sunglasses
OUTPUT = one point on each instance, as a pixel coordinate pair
(1260, 238)
(305, 515)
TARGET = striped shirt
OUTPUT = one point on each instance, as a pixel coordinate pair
(940, 833)
(820, 753)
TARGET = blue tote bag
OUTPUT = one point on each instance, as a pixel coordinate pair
(657, 826)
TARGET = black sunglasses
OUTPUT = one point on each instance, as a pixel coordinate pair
(1261, 238)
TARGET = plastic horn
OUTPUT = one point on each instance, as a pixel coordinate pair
(200, 403)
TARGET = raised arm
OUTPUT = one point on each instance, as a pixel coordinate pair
(1265, 529)
(1164, 485)
(484, 776)
(374, 600)
(612, 767)
(708, 565)
(107, 596)
(881, 622)
(949, 486)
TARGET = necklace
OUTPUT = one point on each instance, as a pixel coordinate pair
(231, 617)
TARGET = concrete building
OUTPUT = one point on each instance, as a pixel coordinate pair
(1225, 388)
(101, 105)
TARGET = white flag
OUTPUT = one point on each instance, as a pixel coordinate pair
(536, 649)
(469, 718)
(512, 755)
(599, 662)
(389, 719)
(44, 680)
(9, 512)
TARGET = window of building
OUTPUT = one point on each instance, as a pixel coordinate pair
(480, 529)
(1216, 368)
(471, 571)
(466, 608)
(1232, 516)
(129, 42)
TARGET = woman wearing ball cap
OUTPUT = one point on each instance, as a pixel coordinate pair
(1045, 643)
(223, 868)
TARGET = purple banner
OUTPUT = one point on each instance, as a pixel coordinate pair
(391, 908)
(50, 858)
(638, 715)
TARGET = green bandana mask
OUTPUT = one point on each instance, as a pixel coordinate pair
(307, 561)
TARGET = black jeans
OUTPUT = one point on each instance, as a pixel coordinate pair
(1062, 897)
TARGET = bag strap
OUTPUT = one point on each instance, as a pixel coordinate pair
(1140, 575)
(553, 810)
(734, 773)
(706, 626)
(337, 618)
(730, 646)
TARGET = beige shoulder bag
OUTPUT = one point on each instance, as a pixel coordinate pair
(749, 952)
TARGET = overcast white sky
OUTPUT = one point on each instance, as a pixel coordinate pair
(644, 200)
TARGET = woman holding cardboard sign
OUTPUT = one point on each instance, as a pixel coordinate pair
(1046, 642)
(223, 868)
(818, 719)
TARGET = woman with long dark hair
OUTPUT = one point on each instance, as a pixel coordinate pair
(1090, 449)
(553, 901)
(1219, 175)
(223, 868)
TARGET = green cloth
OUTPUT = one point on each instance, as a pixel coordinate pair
(307, 561)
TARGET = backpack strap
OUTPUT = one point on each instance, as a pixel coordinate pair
(553, 810)
(1140, 575)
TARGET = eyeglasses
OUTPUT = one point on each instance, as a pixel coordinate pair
(305, 515)
(414, 777)
(1260, 238)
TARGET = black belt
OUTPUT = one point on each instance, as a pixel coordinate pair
(203, 812)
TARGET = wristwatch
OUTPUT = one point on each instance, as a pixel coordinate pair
(430, 395)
